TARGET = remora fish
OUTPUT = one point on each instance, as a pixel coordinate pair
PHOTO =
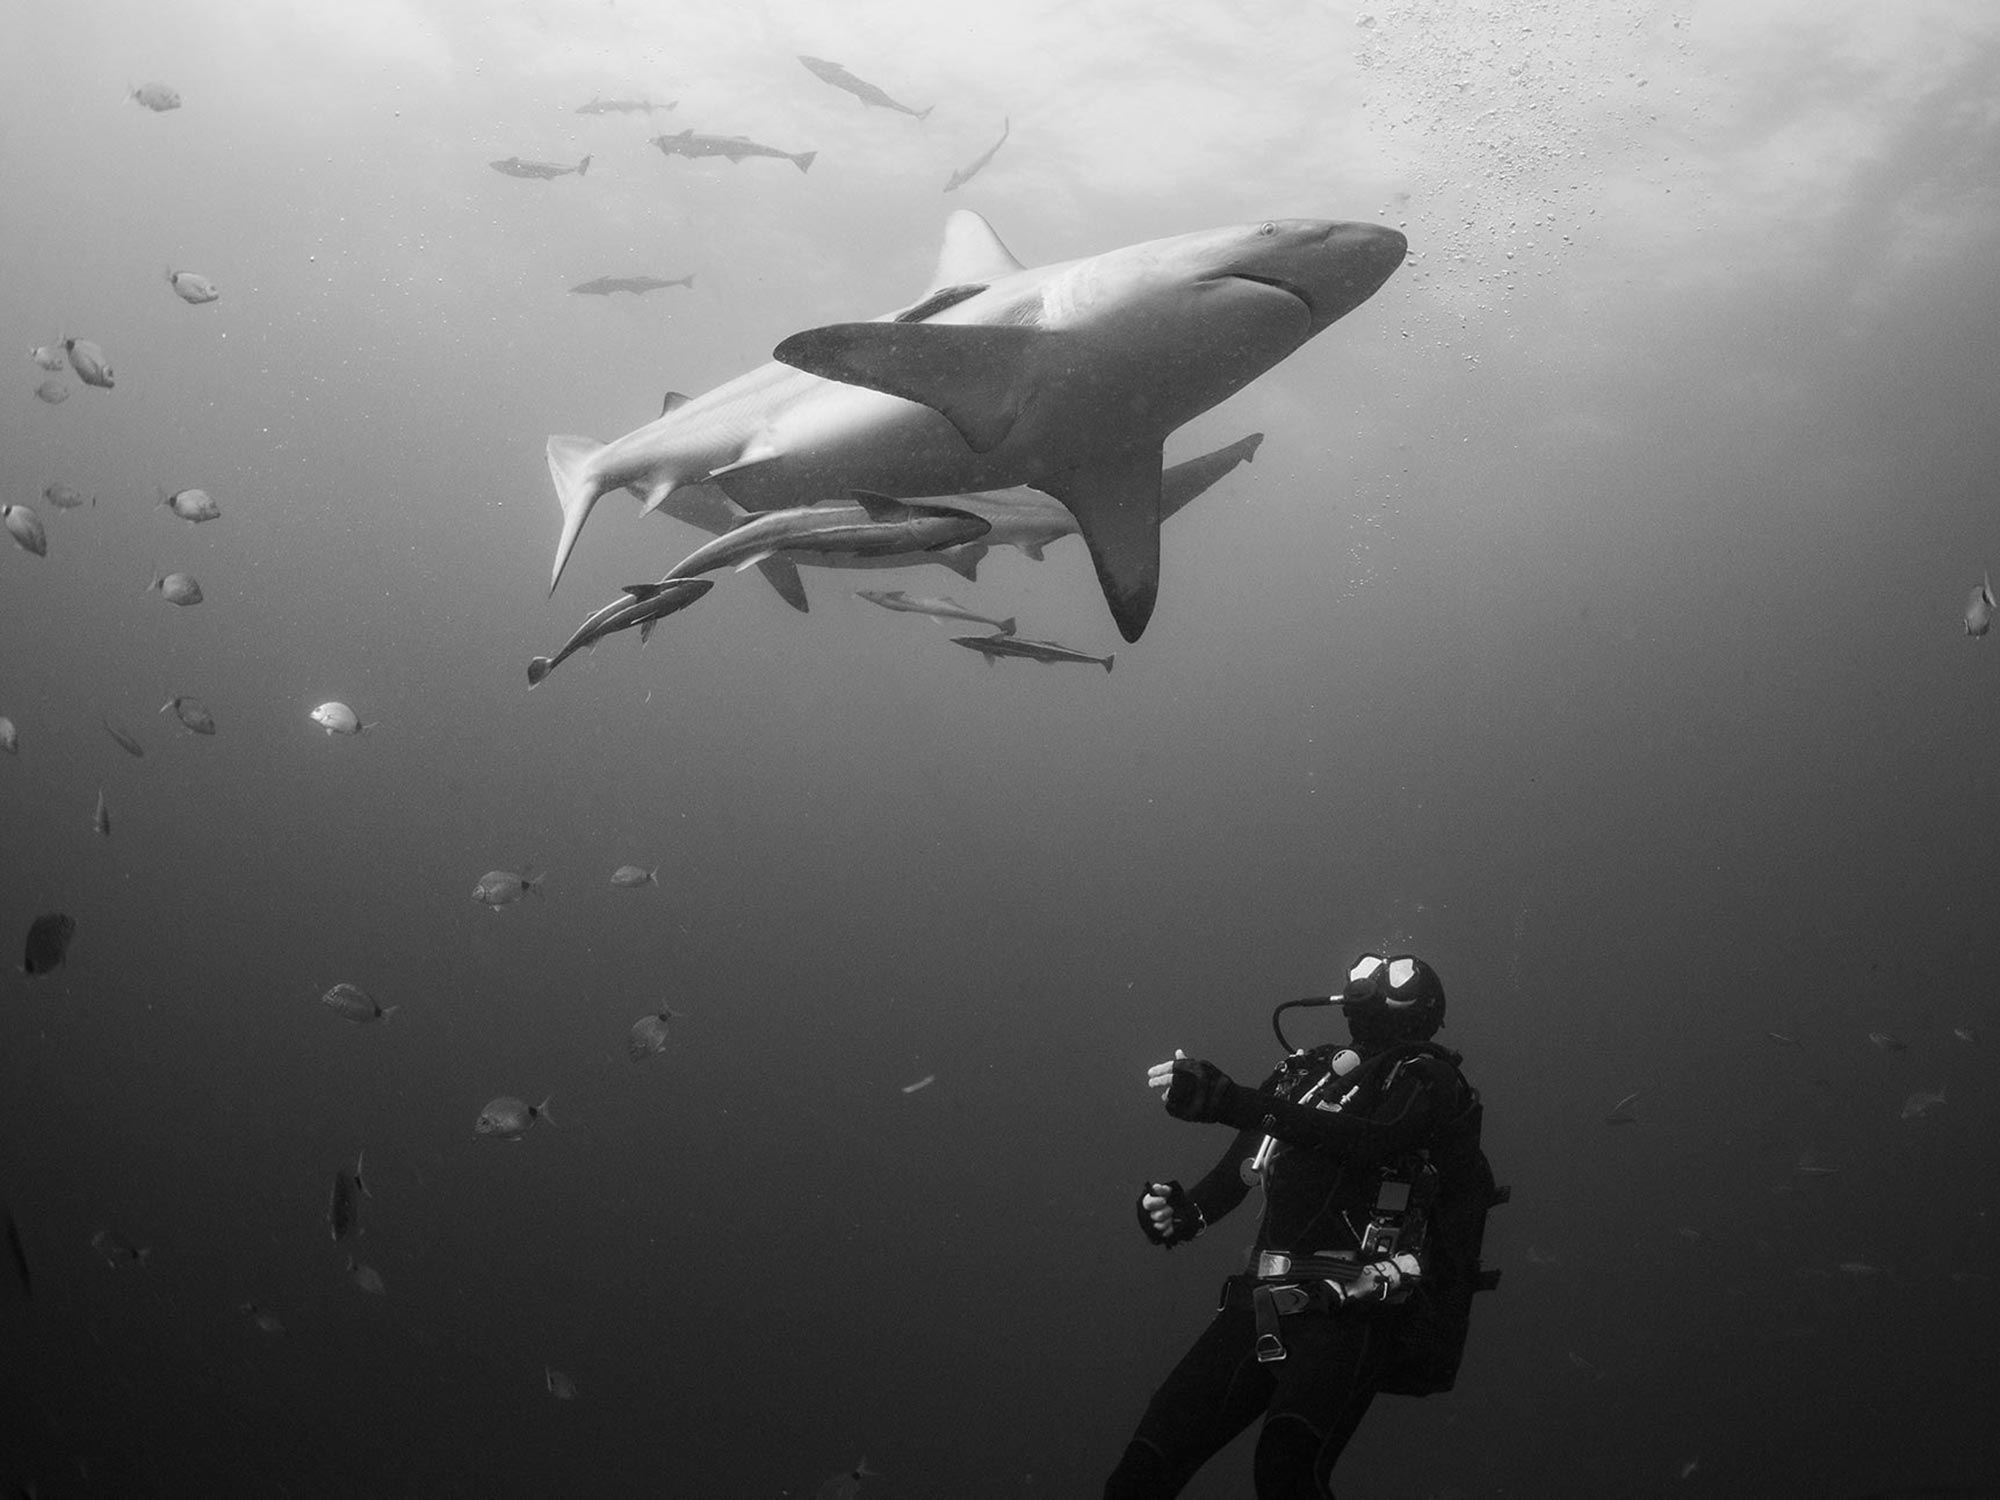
(643, 604)
(869, 526)
(540, 171)
(937, 609)
(734, 147)
(867, 93)
(960, 177)
(622, 107)
(604, 286)
(993, 647)
(1066, 377)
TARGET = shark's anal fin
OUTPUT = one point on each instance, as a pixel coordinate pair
(974, 375)
(783, 575)
(1116, 502)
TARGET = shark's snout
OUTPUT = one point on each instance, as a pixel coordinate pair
(1355, 260)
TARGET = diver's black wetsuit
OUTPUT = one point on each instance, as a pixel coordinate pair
(1320, 1187)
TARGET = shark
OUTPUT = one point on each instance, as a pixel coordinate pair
(1065, 377)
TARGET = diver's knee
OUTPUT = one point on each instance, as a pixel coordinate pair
(1287, 1464)
(1142, 1474)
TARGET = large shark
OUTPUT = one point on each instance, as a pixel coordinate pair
(1065, 377)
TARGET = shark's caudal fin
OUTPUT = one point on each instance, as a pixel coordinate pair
(576, 492)
(1116, 502)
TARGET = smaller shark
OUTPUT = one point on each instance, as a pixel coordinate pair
(962, 175)
(734, 147)
(937, 609)
(622, 107)
(868, 526)
(643, 604)
(867, 93)
(993, 647)
(604, 286)
(540, 171)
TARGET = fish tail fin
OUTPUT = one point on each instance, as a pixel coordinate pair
(390, 1010)
(538, 668)
(1108, 661)
(577, 490)
(653, 876)
(804, 160)
(583, 166)
(925, 112)
(360, 728)
(1008, 625)
(534, 882)
(542, 1110)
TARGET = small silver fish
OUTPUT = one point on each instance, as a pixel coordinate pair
(1624, 1112)
(337, 718)
(1858, 1268)
(559, 1385)
(540, 171)
(622, 106)
(10, 737)
(962, 175)
(52, 391)
(1809, 1165)
(264, 1318)
(352, 1003)
(192, 506)
(100, 821)
(62, 497)
(158, 97)
(1922, 1102)
(190, 287)
(509, 1118)
(191, 713)
(498, 888)
(343, 1204)
(1781, 1039)
(117, 1251)
(26, 528)
(49, 357)
(1883, 1042)
(649, 1035)
(176, 588)
(88, 360)
(629, 877)
(366, 1277)
(1979, 608)
(125, 741)
(922, 1083)
(1963, 1033)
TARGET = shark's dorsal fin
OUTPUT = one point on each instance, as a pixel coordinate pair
(881, 507)
(672, 401)
(1116, 502)
(972, 374)
(971, 255)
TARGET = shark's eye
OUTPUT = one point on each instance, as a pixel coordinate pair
(1267, 229)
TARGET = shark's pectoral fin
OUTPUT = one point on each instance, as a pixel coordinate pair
(1116, 502)
(975, 376)
(783, 575)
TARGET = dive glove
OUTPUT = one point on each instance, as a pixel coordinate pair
(1187, 1221)
(1198, 1091)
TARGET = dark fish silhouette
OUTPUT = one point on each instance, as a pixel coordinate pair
(48, 942)
(734, 147)
(867, 93)
(343, 1205)
(541, 171)
(604, 286)
(125, 741)
(963, 175)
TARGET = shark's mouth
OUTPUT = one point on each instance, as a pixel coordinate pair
(1290, 288)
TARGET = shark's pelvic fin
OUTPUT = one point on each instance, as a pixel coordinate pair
(972, 253)
(1116, 502)
(783, 575)
(964, 561)
(969, 373)
(576, 492)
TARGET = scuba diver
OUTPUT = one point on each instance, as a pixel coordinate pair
(1362, 1273)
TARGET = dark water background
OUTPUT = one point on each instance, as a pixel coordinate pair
(1588, 622)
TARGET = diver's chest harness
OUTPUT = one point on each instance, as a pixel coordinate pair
(1385, 1264)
